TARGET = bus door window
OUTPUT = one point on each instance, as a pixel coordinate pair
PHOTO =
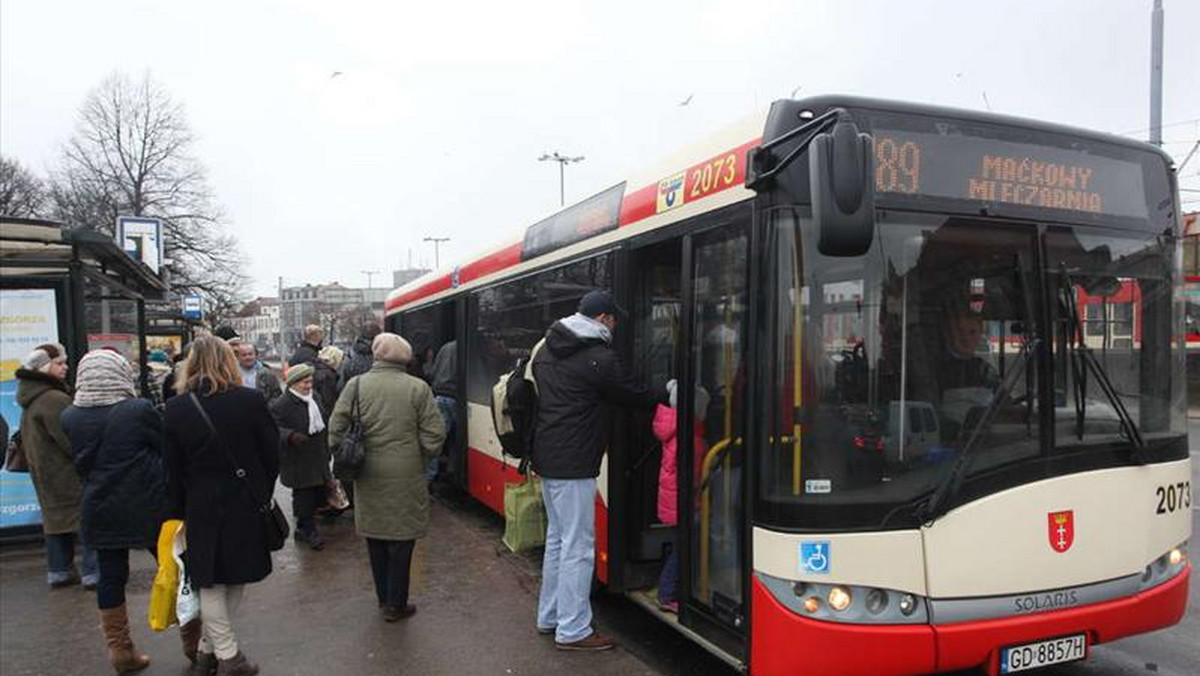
(655, 322)
(718, 349)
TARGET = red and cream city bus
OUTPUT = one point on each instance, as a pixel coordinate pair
(919, 446)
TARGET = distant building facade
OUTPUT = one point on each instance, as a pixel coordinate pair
(258, 322)
(340, 310)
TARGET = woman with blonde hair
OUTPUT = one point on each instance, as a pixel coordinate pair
(215, 428)
(402, 429)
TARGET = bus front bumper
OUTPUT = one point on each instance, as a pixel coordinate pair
(786, 644)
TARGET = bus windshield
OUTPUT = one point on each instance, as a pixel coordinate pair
(947, 338)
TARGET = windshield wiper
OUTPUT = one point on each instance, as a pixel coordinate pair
(1083, 361)
(939, 500)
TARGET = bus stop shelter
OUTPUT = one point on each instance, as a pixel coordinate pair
(74, 286)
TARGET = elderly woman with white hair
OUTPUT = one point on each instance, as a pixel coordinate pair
(43, 394)
(304, 451)
(402, 429)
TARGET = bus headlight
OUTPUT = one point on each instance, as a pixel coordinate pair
(1176, 556)
(839, 598)
(1165, 567)
(877, 601)
(845, 603)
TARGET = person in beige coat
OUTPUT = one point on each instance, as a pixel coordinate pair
(403, 429)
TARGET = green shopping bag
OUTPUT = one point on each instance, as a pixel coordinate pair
(524, 515)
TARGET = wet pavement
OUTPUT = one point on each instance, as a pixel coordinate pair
(316, 614)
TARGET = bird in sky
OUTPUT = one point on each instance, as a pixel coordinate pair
(687, 100)
(335, 74)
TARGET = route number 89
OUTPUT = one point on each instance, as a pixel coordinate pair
(897, 166)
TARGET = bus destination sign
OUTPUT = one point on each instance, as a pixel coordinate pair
(992, 171)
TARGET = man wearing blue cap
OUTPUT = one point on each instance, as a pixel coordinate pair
(579, 378)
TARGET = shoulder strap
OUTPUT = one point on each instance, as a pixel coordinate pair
(237, 469)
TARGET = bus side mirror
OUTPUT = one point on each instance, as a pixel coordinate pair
(840, 171)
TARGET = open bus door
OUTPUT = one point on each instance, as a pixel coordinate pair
(689, 303)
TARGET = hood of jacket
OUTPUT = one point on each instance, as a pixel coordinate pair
(362, 345)
(572, 334)
(32, 384)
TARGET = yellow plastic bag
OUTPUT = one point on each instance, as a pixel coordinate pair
(166, 580)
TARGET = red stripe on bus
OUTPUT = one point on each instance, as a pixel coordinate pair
(493, 262)
(638, 205)
(714, 175)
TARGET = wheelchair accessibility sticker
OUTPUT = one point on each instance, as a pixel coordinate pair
(815, 557)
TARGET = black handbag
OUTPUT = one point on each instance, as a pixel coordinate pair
(351, 454)
(275, 525)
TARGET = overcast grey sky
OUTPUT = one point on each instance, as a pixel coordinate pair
(443, 108)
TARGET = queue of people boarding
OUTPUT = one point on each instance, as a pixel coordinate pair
(219, 428)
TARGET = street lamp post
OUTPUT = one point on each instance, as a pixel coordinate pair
(437, 260)
(563, 161)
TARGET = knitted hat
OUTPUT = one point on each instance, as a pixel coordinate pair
(331, 355)
(42, 355)
(104, 378)
(391, 347)
(299, 372)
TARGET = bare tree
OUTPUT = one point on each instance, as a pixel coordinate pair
(22, 194)
(131, 156)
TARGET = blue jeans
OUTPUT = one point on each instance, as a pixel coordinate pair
(60, 560)
(446, 406)
(570, 558)
(668, 580)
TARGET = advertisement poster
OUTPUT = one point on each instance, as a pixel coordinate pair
(126, 344)
(28, 318)
(170, 344)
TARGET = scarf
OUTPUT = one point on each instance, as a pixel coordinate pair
(315, 422)
(103, 379)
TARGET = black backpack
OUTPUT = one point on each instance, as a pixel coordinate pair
(514, 408)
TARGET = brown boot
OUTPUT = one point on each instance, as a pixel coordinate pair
(189, 635)
(115, 624)
(237, 665)
(205, 665)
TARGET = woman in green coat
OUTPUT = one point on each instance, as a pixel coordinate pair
(403, 430)
(43, 394)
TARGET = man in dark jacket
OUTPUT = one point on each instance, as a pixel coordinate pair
(306, 352)
(360, 359)
(579, 377)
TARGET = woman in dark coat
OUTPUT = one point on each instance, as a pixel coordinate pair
(327, 375)
(304, 451)
(116, 439)
(43, 395)
(226, 539)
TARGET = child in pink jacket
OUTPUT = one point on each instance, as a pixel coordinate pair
(665, 422)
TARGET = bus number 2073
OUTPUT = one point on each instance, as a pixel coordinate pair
(1173, 497)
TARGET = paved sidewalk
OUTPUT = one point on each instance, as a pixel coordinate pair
(316, 614)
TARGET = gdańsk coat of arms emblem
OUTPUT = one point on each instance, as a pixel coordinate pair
(1061, 530)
